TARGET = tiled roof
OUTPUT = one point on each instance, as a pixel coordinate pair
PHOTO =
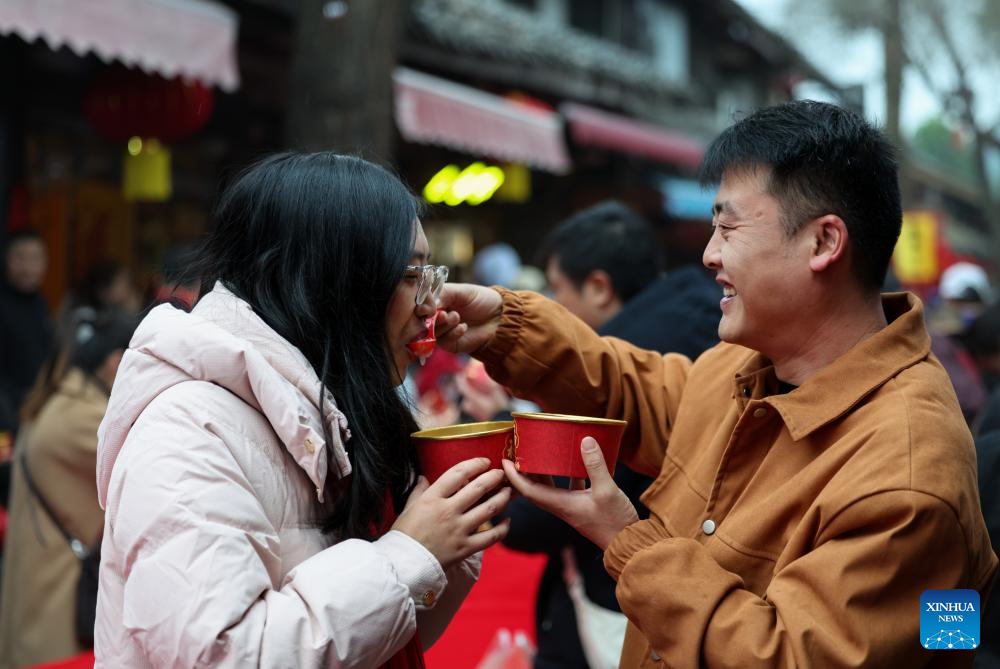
(503, 32)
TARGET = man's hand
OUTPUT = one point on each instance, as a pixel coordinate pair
(598, 513)
(470, 318)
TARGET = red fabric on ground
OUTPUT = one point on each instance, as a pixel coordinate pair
(81, 661)
(504, 597)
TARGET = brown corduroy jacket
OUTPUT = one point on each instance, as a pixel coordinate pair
(792, 529)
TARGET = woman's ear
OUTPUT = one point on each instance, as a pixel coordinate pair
(829, 242)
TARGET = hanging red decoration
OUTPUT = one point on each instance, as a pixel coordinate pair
(122, 103)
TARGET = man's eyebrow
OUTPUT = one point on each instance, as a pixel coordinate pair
(724, 207)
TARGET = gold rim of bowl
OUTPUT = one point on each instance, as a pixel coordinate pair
(566, 418)
(465, 431)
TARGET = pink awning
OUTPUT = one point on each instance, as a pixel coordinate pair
(595, 127)
(430, 110)
(191, 38)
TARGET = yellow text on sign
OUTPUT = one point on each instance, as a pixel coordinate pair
(474, 185)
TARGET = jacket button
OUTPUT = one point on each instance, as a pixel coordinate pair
(760, 412)
(309, 445)
(429, 598)
(708, 527)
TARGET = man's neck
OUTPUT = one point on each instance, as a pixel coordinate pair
(832, 334)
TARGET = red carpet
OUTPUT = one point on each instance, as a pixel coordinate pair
(504, 597)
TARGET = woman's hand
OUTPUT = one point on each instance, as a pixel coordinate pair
(470, 318)
(598, 513)
(445, 517)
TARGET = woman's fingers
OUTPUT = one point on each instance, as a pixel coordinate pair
(421, 486)
(459, 476)
(476, 489)
(489, 508)
(483, 540)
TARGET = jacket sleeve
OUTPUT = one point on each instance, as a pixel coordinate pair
(852, 601)
(461, 577)
(545, 354)
(202, 574)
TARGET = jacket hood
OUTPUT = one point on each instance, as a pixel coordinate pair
(224, 342)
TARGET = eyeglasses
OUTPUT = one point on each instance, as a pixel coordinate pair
(432, 280)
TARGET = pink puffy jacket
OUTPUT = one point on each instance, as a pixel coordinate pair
(211, 469)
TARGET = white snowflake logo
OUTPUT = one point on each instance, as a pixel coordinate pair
(950, 639)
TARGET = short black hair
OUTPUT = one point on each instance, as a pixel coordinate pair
(20, 235)
(982, 337)
(823, 160)
(610, 237)
(97, 337)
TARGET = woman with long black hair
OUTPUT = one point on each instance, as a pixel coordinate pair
(256, 451)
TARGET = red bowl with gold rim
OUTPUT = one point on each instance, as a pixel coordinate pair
(440, 448)
(549, 443)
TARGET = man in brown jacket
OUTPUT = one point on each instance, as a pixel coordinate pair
(814, 471)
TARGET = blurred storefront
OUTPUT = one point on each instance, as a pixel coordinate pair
(510, 114)
(124, 116)
(618, 102)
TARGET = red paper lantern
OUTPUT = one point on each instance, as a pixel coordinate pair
(123, 103)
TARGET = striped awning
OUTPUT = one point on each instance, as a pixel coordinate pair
(589, 126)
(431, 110)
(195, 39)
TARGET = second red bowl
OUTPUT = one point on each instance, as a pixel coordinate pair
(549, 443)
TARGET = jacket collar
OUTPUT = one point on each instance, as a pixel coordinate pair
(835, 389)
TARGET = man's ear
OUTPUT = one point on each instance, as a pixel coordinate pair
(828, 235)
(598, 289)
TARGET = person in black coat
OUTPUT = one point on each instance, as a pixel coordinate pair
(25, 326)
(602, 264)
(988, 459)
(25, 331)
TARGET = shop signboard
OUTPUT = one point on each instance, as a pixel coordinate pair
(916, 258)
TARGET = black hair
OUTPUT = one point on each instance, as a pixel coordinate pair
(317, 243)
(176, 261)
(22, 234)
(89, 338)
(823, 160)
(607, 236)
(982, 337)
(94, 339)
(98, 278)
